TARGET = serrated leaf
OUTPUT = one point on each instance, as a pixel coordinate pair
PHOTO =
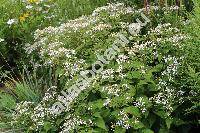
(100, 123)
(97, 114)
(132, 110)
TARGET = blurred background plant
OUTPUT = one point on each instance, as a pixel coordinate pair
(20, 18)
(17, 26)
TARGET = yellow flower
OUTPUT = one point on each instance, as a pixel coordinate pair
(23, 17)
(33, 1)
(26, 15)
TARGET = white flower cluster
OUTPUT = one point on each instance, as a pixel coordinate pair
(22, 108)
(156, 8)
(55, 53)
(41, 112)
(167, 98)
(111, 89)
(172, 68)
(120, 71)
(72, 121)
(168, 95)
(85, 21)
(107, 74)
(122, 58)
(100, 27)
(124, 120)
(141, 104)
(134, 28)
(171, 8)
(177, 38)
(53, 50)
(107, 102)
(163, 29)
(160, 28)
(37, 114)
(124, 25)
(114, 10)
(164, 34)
(137, 46)
(161, 34)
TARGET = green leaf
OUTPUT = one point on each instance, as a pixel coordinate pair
(147, 131)
(178, 122)
(119, 130)
(3, 125)
(151, 120)
(136, 74)
(7, 101)
(47, 126)
(59, 121)
(162, 114)
(132, 110)
(168, 122)
(98, 104)
(138, 125)
(100, 123)
(163, 130)
(59, 71)
(97, 114)
(191, 72)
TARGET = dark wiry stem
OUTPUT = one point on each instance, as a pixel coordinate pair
(178, 3)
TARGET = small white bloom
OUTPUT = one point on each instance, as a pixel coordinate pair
(1, 40)
(29, 6)
(107, 101)
(11, 21)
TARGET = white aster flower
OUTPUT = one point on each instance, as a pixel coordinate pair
(29, 6)
(11, 21)
(134, 28)
(107, 101)
(1, 40)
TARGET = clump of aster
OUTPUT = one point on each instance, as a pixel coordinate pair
(168, 95)
(167, 98)
(114, 10)
(33, 114)
(22, 110)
